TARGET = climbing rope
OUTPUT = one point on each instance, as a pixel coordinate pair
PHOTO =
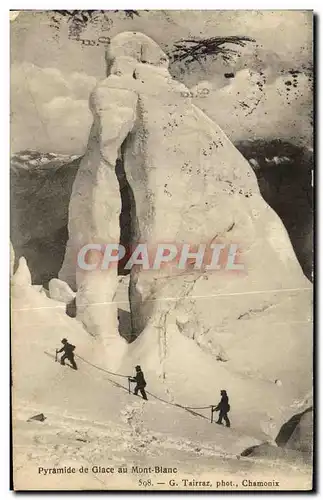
(100, 368)
(197, 408)
(178, 405)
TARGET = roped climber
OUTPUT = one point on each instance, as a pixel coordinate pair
(68, 353)
(223, 407)
(140, 381)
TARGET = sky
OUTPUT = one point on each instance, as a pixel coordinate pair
(52, 75)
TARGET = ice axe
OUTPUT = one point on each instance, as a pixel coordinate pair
(55, 355)
(212, 411)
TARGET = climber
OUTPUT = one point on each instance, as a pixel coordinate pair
(141, 383)
(68, 353)
(223, 407)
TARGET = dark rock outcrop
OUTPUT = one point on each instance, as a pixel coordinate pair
(294, 441)
(269, 452)
(284, 173)
(41, 186)
(297, 432)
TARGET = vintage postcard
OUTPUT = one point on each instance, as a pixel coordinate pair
(161, 250)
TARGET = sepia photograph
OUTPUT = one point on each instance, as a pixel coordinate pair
(161, 250)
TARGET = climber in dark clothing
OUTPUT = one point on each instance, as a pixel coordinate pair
(223, 407)
(68, 353)
(140, 381)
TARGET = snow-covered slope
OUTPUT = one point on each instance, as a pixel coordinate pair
(92, 420)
